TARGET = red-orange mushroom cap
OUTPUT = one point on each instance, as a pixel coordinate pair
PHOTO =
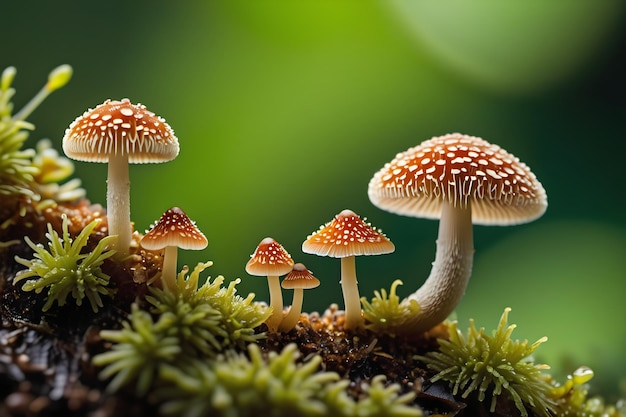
(172, 231)
(269, 259)
(120, 127)
(461, 170)
(300, 277)
(174, 228)
(347, 235)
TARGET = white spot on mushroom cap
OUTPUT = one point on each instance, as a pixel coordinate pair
(174, 228)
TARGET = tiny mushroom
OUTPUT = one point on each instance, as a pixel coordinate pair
(345, 237)
(299, 279)
(119, 132)
(460, 180)
(173, 230)
(270, 259)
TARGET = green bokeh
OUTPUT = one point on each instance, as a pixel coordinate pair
(284, 110)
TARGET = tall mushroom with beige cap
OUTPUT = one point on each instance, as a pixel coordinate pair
(345, 237)
(271, 260)
(119, 132)
(460, 180)
(173, 230)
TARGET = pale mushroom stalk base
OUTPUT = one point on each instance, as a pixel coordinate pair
(290, 320)
(169, 272)
(118, 201)
(350, 289)
(451, 270)
(276, 302)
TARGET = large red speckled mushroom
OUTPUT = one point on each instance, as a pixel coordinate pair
(460, 180)
(173, 230)
(270, 259)
(119, 132)
(345, 237)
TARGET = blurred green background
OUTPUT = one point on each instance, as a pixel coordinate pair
(284, 110)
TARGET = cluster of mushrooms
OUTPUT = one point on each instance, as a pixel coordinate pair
(459, 179)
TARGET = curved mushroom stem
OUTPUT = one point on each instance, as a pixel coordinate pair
(118, 201)
(451, 270)
(290, 320)
(168, 274)
(276, 302)
(351, 298)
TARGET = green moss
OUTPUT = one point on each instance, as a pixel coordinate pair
(66, 268)
(189, 324)
(492, 367)
(140, 349)
(237, 385)
(386, 314)
(234, 318)
(19, 175)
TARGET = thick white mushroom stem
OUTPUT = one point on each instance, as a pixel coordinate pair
(351, 298)
(451, 270)
(290, 320)
(169, 272)
(276, 302)
(118, 201)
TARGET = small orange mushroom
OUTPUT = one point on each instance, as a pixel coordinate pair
(270, 259)
(299, 279)
(345, 237)
(173, 230)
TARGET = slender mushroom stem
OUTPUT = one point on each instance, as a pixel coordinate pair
(351, 298)
(276, 302)
(451, 270)
(118, 201)
(168, 274)
(290, 320)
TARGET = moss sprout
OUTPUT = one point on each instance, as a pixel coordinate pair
(140, 349)
(572, 398)
(379, 399)
(15, 163)
(66, 268)
(52, 169)
(238, 316)
(17, 171)
(195, 322)
(492, 365)
(386, 313)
